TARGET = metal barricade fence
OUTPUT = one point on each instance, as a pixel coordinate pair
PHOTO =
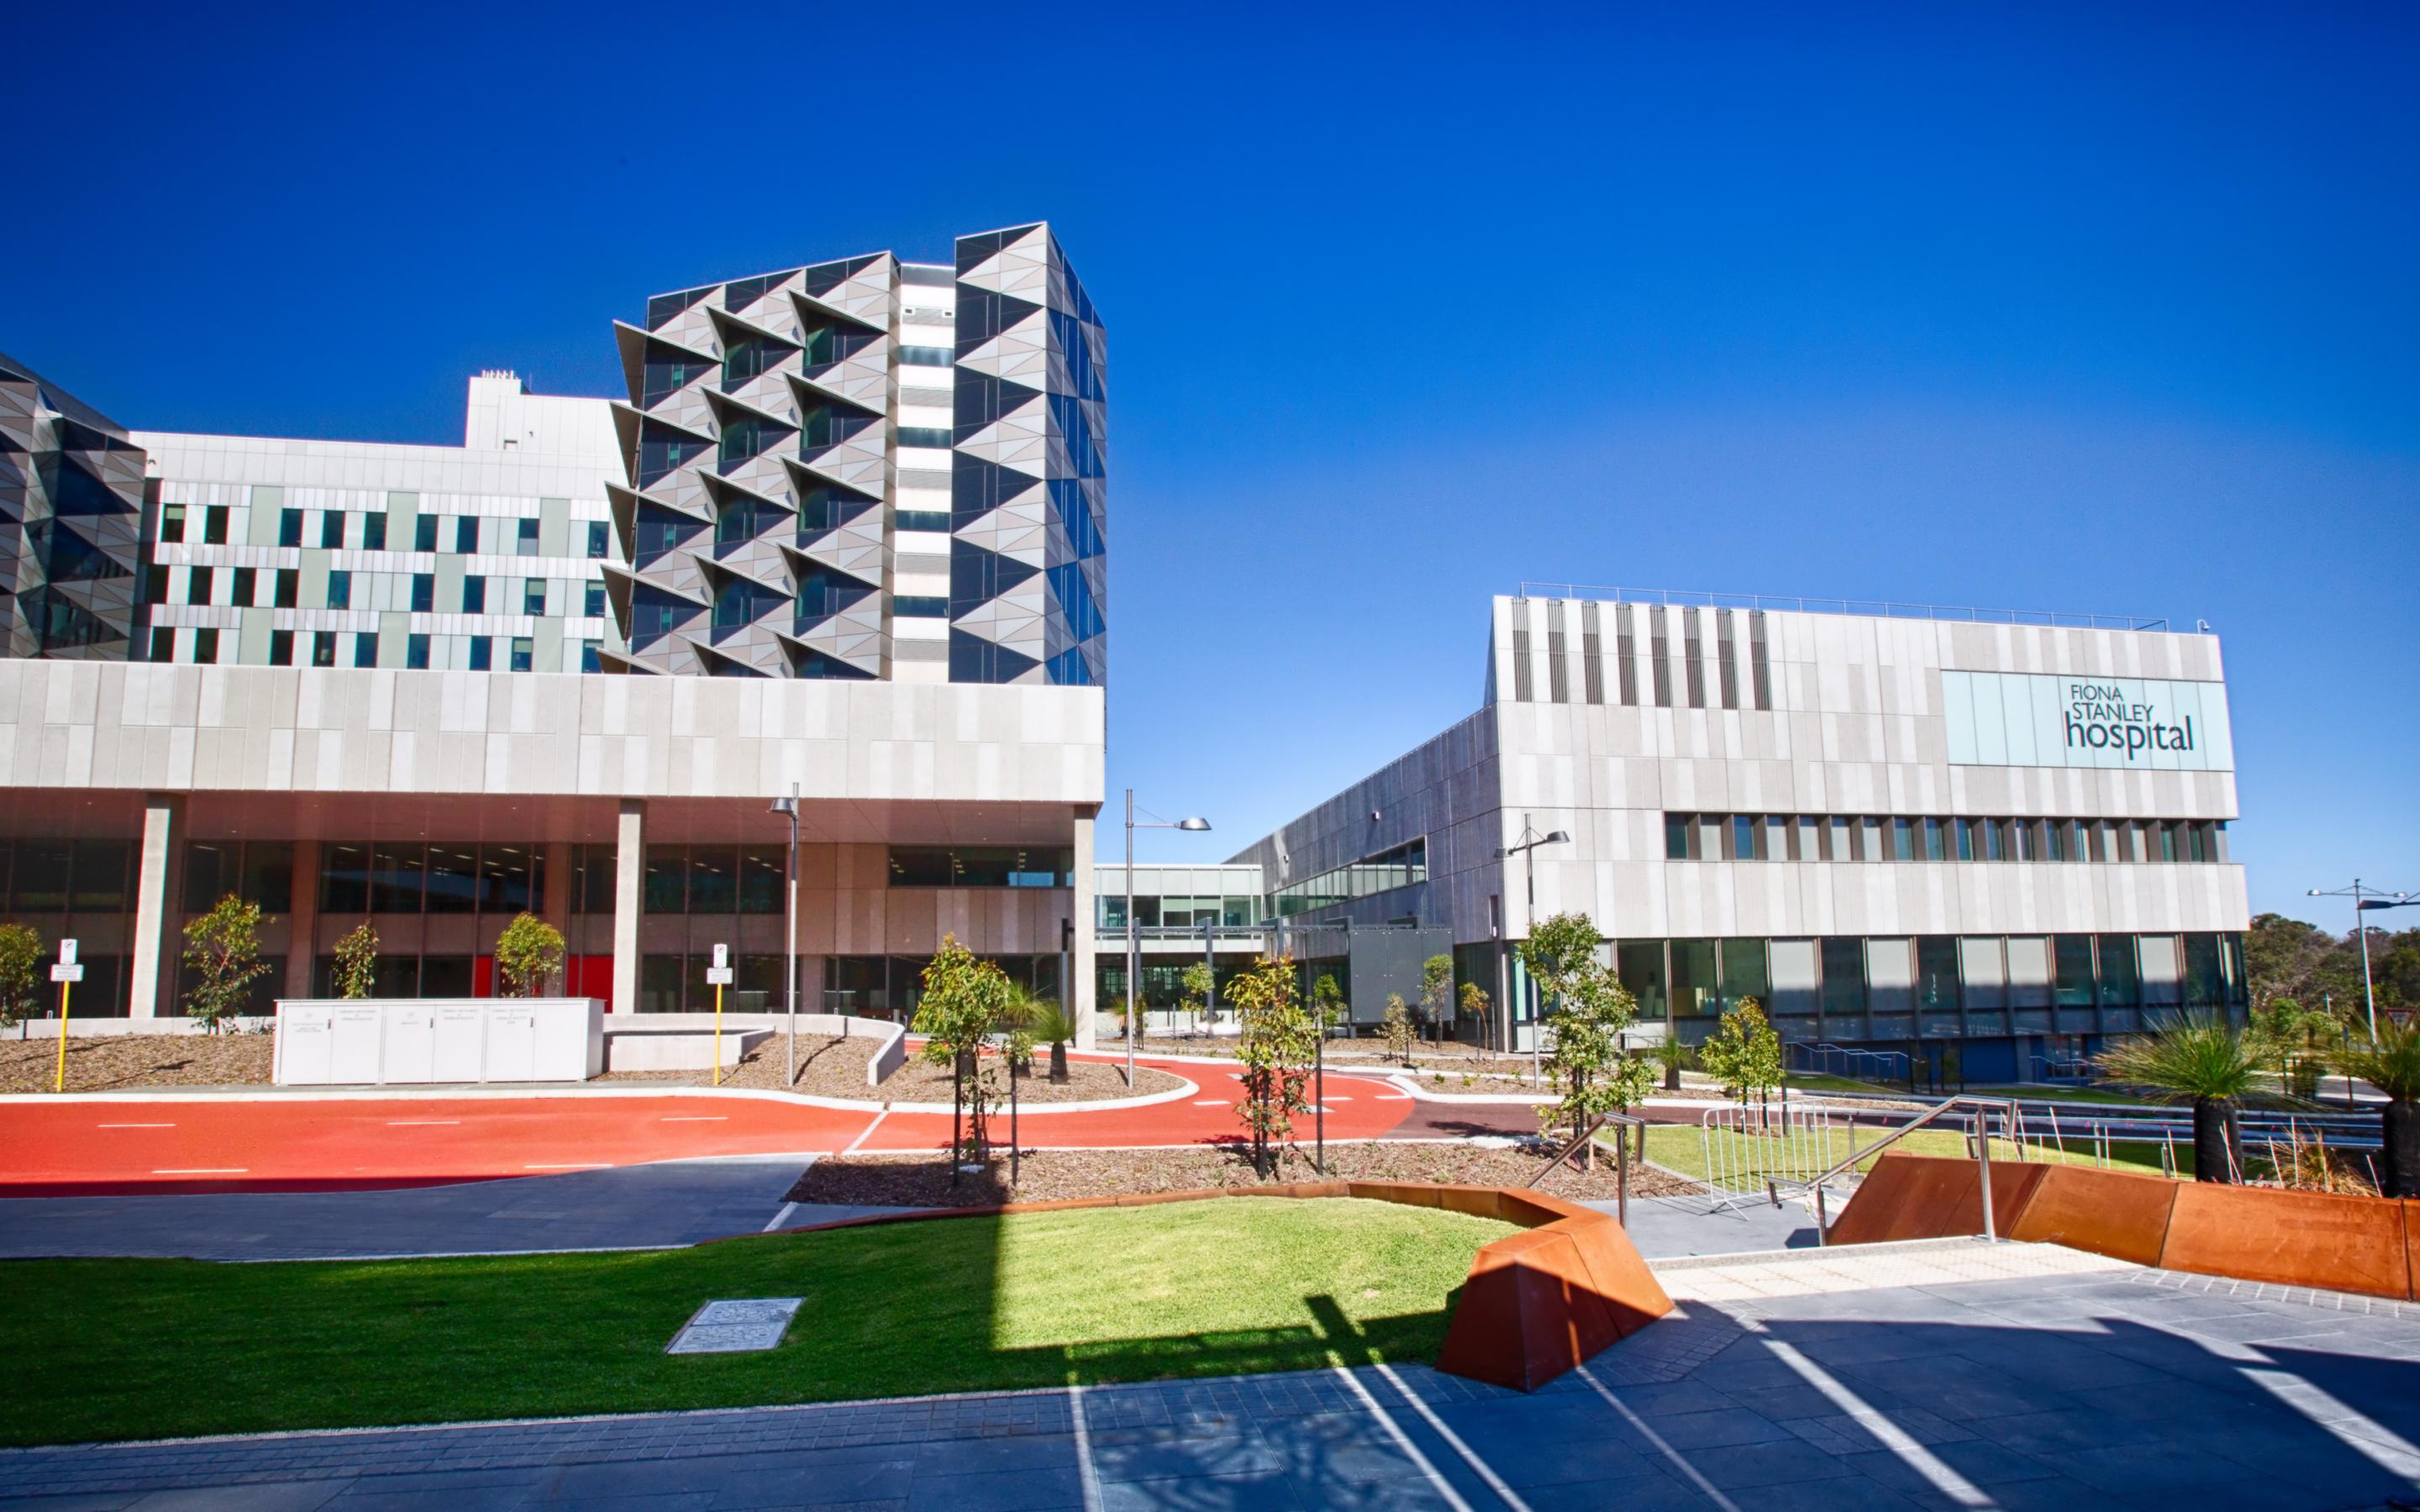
(1745, 1148)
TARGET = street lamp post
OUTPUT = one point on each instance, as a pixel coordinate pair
(1134, 933)
(1525, 848)
(788, 808)
(2364, 899)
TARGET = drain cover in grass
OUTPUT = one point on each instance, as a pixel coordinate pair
(735, 1326)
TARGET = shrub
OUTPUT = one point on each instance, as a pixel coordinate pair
(1401, 1034)
(223, 952)
(21, 974)
(1743, 1054)
(356, 970)
(529, 954)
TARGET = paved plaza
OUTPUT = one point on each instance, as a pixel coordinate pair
(1947, 1375)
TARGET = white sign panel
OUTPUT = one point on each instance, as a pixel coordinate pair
(67, 953)
(67, 973)
(2131, 723)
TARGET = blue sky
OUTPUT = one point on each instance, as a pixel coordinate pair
(2055, 307)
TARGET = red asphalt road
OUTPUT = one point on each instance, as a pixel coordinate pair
(81, 1146)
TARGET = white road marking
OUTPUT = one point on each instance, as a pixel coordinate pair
(1894, 1438)
(202, 1170)
(1210, 1103)
(1085, 1475)
(869, 1129)
(1339, 1098)
(135, 1126)
(780, 1218)
(1403, 1441)
(1393, 1097)
(1678, 1461)
(1486, 1471)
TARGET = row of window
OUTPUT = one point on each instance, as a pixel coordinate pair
(1897, 837)
(1399, 867)
(1660, 658)
(1179, 913)
(286, 590)
(1846, 975)
(506, 537)
(478, 653)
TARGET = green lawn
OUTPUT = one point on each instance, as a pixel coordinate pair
(2066, 1094)
(1817, 1082)
(145, 1349)
(1680, 1148)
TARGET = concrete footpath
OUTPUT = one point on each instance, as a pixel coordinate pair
(1952, 1375)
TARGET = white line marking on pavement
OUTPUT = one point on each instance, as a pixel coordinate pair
(1705, 1487)
(422, 1123)
(1085, 1475)
(1210, 1103)
(1338, 1097)
(135, 1126)
(1403, 1441)
(2354, 1429)
(694, 1118)
(780, 1218)
(1486, 1471)
(1393, 1097)
(1894, 1438)
(869, 1129)
(202, 1170)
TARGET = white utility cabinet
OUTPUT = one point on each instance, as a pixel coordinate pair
(424, 1040)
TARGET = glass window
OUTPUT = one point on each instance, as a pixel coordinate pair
(664, 890)
(1693, 979)
(1934, 850)
(1741, 844)
(340, 589)
(1844, 977)
(1745, 974)
(1872, 842)
(2205, 983)
(331, 529)
(2121, 982)
(481, 652)
(344, 879)
(373, 532)
(395, 874)
(281, 648)
(474, 594)
(290, 588)
(1992, 849)
(1937, 973)
(466, 533)
(423, 592)
(713, 879)
(592, 879)
(215, 525)
(660, 984)
(416, 653)
(2025, 834)
(453, 881)
(522, 654)
(172, 522)
(424, 534)
(1903, 840)
(365, 649)
(199, 581)
(511, 879)
(589, 660)
(599, 537)
(593, 600)
(1677, 835)
(764, 878)
(526, 538)
(323, 648)
(1641, 966)
(206, 646)
(97, 877)
(289, 527)
(2072, 983)
(247, 587)
(532, 595)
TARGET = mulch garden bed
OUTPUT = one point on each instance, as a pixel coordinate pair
(116, 1062)
(833, 1067)
(1055, 1175)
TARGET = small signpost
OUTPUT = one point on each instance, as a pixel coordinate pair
(67, 974)
(719, 975)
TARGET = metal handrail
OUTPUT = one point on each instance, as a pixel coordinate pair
(1620, 1157)
(1980, 1133)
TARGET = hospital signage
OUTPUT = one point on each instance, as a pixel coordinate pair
(2036, 719)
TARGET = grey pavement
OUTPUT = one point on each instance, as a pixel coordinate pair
(1663, 1228)
(627, 1207)
(2105, 1388)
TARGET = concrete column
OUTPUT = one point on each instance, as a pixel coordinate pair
(630, 874)
(155, 951)
(302, 921)
(1081, 966)
(557, 903)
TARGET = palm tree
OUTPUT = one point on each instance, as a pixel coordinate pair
(2198, 1059)
(1673, 1057)
(2392, 1066)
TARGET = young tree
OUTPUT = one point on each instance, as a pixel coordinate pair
(1402, 1033)
(1589, 1010)
(1743, 1054)
(1475, 1005)
(20, 975)
(1279, 1042)
(1436, 992)
(223, 952)
(1327, 1000)
(529, 954)
(2203, 1060)
(966, 1002)
(1193, 983)
(356, 970)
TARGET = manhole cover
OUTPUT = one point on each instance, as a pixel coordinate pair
(735, 1326)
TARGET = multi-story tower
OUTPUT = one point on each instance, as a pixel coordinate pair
(71, 523)
(870, 469)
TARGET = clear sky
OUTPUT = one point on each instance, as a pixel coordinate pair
(2081, 308)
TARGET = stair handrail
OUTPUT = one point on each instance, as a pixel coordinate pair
(1982, 1141)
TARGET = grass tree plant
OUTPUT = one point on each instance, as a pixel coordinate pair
(2392, 1066)
(2203, 1060)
